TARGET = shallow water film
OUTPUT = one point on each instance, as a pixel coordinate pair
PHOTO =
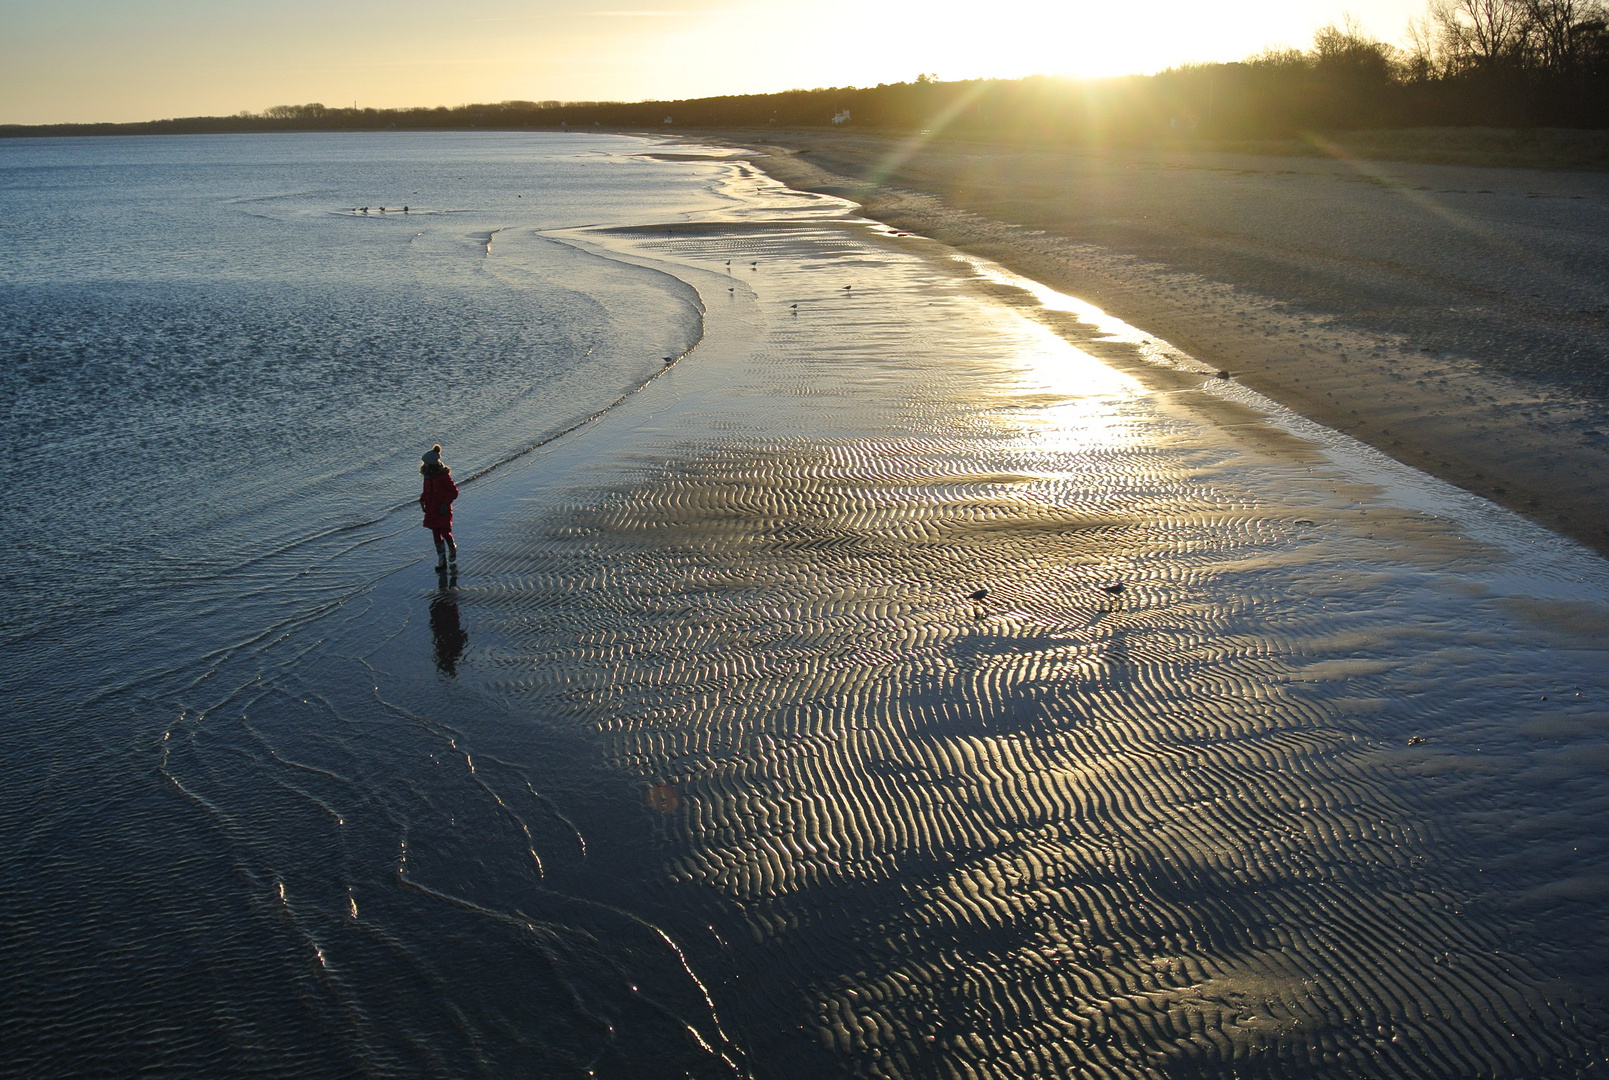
(923, 676)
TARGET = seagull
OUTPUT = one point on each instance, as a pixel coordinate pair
(1114, 588)
(979, 595)
(670, 359)
(848, 286)
(794, 306)
(728, 262)
(730, 288)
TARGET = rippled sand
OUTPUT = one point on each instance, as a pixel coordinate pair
(709, 765)
(1174, 831)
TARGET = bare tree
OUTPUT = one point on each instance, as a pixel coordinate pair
(1423, 59)
(1351, 52)
(311, 111)
(1280, 59)
(1558, 31)
(1483, 34)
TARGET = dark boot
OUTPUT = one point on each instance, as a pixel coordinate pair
(441, 555)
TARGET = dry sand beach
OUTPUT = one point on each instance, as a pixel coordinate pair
(1452, 316)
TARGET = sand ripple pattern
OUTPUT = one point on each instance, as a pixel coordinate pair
(1175, 831)
(710, 767)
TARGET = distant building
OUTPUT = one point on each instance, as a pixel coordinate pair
(841, 117)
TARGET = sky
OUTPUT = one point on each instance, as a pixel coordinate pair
(119, 60)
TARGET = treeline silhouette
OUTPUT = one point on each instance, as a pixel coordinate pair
(1496, 63)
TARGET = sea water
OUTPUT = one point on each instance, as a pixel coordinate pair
(212, 351)
(221, 358)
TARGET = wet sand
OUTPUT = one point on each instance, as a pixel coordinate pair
(1313, 795)
(709, 765)
(1454, 317)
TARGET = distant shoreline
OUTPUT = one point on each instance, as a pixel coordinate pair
(1554, 149)
(1431, 330)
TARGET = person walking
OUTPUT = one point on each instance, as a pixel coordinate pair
(437, 502)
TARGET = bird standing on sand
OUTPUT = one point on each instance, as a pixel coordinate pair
(1113, 589)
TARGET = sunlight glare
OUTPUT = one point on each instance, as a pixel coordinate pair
(838, 43)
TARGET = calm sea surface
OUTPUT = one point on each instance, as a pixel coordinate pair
(218, 373)
(214, 356)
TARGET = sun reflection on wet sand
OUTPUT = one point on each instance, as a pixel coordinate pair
(1059, 827)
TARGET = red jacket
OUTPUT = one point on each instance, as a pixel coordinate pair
(437, 500)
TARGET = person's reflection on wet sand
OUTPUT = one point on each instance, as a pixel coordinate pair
(448, 633)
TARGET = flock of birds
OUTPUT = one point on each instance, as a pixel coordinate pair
(756, 266)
